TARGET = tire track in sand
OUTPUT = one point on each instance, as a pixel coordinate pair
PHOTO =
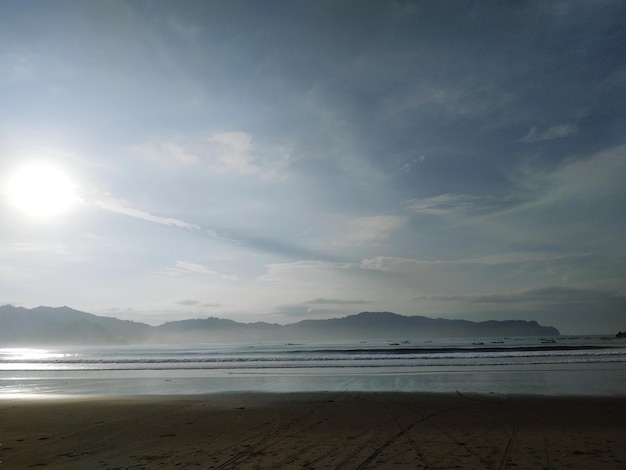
(277, 435)
(404, 431)
(512, 437)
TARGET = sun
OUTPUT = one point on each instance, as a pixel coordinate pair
(41, 190)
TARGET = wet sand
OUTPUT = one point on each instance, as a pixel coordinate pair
(322, 430)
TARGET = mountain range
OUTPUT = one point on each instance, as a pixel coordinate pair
(65, 326)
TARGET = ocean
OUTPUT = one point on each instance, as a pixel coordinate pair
(564, 365)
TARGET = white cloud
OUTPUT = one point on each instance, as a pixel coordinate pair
(544, 295)
(284, 271)
(118, 207)
(450, 204)
(407, 167)
(234, 152)
(520, 258)
(187, 267)
(391, 263)
(324, 301)
(559, 131)
(169, 153)
(192, 268)
(231, 152)
(408, 265)
(371, 229)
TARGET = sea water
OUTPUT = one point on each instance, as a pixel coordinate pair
(587, 365)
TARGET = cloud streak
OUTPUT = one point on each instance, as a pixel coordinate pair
(372, 229)
(544, 295)
(559, 131)
(168, 154)
(456, 205)
(182, 268)
(118, 207)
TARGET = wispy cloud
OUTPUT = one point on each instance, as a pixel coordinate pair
(119, 207)
(322, 301)
(197, 303)
(301, 311)
(558, 131)
(451, 204)
(234, 152)
(392, 264)
(168, 153)
(545, 206)
(550, 294)
(282, 271)
(408, 265)
(576, 206)
(187, 267)
(371, 229)
(318, 308)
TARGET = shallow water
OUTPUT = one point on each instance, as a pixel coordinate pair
(569, 366)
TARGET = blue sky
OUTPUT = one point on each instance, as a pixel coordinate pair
(281, 160)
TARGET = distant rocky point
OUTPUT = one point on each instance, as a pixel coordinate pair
(66, 326)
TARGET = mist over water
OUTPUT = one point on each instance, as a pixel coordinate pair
(567, 366)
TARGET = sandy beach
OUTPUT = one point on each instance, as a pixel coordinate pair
(322, 430)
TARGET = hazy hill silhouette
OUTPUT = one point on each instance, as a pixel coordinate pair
(64, 325)
(388, 324)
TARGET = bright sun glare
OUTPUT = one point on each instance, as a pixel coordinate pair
(41, 190)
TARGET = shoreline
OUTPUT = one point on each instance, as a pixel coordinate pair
(217, 397)
(571, 379)
(315, 430)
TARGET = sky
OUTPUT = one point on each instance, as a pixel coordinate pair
(286, 160)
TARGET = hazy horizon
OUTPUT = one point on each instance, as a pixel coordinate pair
(281, 161)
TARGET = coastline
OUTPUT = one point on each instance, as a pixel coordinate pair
(315, 430)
